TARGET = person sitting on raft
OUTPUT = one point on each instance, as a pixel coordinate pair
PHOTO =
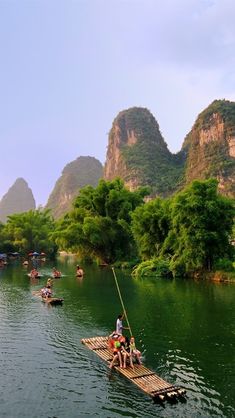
(56, 273)
(133, 350)
(34, 273)
(125, 351)
(115, 346)
(46, 292)
(49, 282)
(79, 271)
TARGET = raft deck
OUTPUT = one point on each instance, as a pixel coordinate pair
(50, 301)
(142, 377)
(53, 301)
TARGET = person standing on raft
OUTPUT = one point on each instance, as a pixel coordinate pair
(119, 325)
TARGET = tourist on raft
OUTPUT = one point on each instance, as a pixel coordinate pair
(56, 273)
(125, 351)
(49, 282)
(121, 350)
(115, 346)
(121, 344)
(46, 292)
(133, 350)
(34, 273)
(119, 325)
(79, 271)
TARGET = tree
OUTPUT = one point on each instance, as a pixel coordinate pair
(31, 231)
(202, 222)
(150, 227)
(99, 224)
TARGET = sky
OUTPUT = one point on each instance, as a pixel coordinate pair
(68, 67)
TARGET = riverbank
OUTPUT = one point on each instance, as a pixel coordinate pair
(222, 277)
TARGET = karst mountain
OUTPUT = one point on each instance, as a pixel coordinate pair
(18, 199)
(138, 153)
(79, 173)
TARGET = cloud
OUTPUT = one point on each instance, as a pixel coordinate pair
(184, 33)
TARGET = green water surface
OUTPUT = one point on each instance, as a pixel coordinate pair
(185, 330)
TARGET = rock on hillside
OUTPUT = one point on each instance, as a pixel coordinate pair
(18, 199)
(139, 155)
(210, 146)
(79, 173)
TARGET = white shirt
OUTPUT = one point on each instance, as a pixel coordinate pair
(119, 326)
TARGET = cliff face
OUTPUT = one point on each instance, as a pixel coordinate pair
(139, 155)
(18, 199)
(210, 146)
(79, 173)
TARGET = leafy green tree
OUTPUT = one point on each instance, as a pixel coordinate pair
(202, 222)
(150, 227)
(99, 224)
(6, 245)
(155, 267)
(31, 231)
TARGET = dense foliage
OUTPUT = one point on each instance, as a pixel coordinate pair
(99, 224)
(28, 231)
(150, 227)
(201, 228)
(192, 230)
(187, 234)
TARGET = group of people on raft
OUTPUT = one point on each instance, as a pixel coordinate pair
(56, 273)
(123, 348)
(34, 273)
(46, 291)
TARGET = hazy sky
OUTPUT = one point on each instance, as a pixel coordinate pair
(69, 66)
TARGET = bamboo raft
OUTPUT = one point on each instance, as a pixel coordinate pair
(53, 301)
(50, 301)
(145, 379)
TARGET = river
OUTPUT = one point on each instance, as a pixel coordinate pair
(185, 329)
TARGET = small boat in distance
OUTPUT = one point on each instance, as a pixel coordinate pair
(56, 274)
(79, 271)
(34, 274)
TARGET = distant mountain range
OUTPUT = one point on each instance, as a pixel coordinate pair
(139, 155)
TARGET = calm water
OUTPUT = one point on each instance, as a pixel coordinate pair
(185, 329)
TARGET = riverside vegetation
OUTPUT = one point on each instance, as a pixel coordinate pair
(189, 234)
